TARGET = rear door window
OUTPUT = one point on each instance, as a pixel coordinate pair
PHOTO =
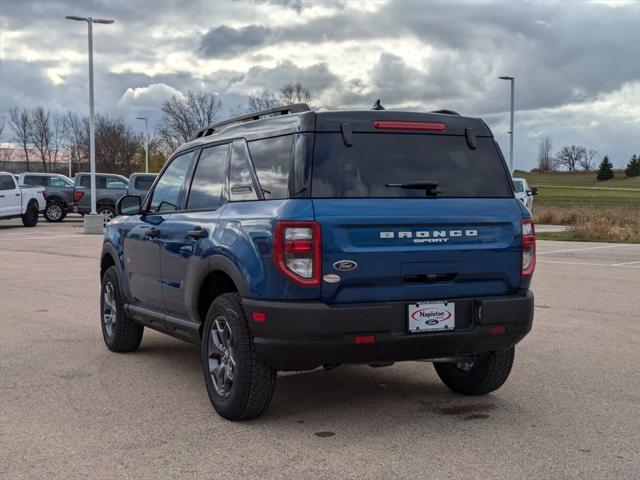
(209, 179)
(376, 160)
(35, 180)
(272, 162)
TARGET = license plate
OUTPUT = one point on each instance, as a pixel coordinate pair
(432, 316)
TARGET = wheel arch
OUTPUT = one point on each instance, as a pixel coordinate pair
(217, 276)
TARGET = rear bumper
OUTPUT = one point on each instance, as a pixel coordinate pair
(305, 335)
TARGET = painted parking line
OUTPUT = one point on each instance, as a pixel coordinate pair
(585, 248)
(626, 264)
(50, 237)
(619, 265)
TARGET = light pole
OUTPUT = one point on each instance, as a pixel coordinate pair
(92, 121)
(512, 80)
(146, 143)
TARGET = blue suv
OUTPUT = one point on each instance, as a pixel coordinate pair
(291, 239)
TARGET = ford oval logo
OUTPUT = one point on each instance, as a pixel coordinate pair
(345, 265)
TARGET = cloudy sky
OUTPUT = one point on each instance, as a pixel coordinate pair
(576, 63)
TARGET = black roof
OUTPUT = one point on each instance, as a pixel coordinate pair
(252, 127)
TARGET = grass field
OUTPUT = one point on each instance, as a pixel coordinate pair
(578, 179)
(606, 211)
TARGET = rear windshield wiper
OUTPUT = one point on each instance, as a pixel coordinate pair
(430, 187)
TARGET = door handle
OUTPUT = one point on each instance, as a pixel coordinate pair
(152, 232)
(17, 194)
(197, 233)
(1, 196)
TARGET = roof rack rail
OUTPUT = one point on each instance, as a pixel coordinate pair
(283, 110)
(446, 112)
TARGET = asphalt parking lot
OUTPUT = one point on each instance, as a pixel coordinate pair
(71, 409)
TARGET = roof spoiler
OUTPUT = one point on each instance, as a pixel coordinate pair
(283, 110)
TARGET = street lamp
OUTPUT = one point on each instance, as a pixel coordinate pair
(92, 122)
(146, 143)
(512, 80)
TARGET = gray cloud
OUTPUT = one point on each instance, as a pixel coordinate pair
(562, 54)
(226, 42)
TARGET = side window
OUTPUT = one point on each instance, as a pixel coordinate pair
(272, 162)
(57, 182)
(115, 183)
(35, 180)
(167, 191)
(143, 182)
(240, 180)
(85, 181)
(209, 178)
(6, 182)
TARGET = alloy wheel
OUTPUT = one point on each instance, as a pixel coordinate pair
(109, 309)
(222, 362)
(54, 211)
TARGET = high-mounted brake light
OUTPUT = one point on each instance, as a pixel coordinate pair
(395, 125)
(77, 196)
(528, 248)
(297, 251)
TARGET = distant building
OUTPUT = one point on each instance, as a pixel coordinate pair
(14, 160)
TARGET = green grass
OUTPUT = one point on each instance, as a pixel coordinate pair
(578, 179)
(585, 196)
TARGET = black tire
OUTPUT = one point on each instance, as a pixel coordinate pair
(120, 333)
(108, 213)
(30, 216)
(484, 375)
(54, 212)
(253, 382)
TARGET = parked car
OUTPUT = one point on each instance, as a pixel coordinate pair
(290, 239)
(109, 188)
(524, 193)
(16, 201)
(140, 183)
(59, 191)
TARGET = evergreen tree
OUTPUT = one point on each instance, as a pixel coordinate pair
(633, 167)
(605, 171)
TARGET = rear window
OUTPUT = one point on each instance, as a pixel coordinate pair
(378, 159)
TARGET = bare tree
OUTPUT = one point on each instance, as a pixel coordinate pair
(570, 157)
(291, 93)
(20, 123)
(546, 162)
(2, 123)
(117, 146)
(586, 161)
(184, 115)
(58, 138)
(40, 133)
(78, 139)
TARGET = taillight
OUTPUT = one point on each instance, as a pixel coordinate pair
(528, 248)
(77, 196)
(297, 251)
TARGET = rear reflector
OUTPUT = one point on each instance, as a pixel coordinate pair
(259, 317)
(499, 330)
(360, 339)
(428, 126)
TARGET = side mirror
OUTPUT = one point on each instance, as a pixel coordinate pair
(129, 205)
(533, 191)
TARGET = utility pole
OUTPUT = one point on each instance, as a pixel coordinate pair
(146, 143)
(512, 80)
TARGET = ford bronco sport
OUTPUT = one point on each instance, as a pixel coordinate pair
(291, 239)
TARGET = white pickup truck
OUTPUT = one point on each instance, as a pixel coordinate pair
(23, 202)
